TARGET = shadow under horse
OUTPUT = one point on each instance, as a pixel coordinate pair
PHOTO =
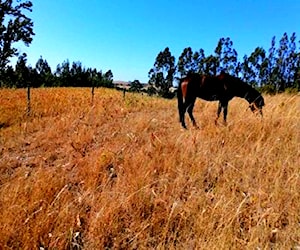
(220, 88)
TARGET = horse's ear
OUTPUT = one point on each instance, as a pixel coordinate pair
(222, 75)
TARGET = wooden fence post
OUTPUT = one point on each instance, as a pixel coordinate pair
(93, 93)
(28, 100)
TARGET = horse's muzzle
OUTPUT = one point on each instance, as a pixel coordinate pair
(253, 107)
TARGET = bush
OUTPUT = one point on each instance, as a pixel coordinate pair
(268, 89)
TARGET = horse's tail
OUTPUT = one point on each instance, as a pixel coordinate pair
(180, 100)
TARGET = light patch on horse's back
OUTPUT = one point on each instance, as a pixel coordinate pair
(184, 85)
(203, 80)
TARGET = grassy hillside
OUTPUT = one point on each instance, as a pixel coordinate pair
(123, 174)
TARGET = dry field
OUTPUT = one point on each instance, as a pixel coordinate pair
(122, 174)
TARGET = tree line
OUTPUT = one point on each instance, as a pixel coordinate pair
(275, 70)
(66, 75)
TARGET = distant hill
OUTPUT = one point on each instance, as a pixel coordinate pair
(126, 85)
(121, 84)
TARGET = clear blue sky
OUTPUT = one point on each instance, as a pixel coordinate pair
(126, 35)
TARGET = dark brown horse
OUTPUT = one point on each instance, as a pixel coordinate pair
(220, 88)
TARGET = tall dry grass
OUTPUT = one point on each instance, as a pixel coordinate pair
(122, 174)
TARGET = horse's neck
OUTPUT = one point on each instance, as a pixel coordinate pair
(249, 94)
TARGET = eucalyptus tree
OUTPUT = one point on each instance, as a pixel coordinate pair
(161, 76)
(258, 66)
(43, 70)
(185, 62)
(15, 27)
(22, 72)
(226, 56)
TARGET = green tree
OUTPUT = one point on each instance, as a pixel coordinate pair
(199, 61)
(272, 67)
(226, 56)
(64, 74)
(92, 77)
(8, 77)
(190, 61)
(95, 78)
(297, 73)
(107, 79)
(136, 86)
(22, 72)
(34, 78)
(161, 76)
(282, 53)
(98, 76)
(186, 62)
(44, 74)
(77, 75)
(257, 65)
(286, 63)
(292, 62)
(245, 70)
(42, 66)
(210, 65)
(15, 27)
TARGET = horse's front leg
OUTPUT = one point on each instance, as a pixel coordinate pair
(218, 112)
(225, 111)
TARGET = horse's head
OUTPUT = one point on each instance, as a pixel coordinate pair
(244, 90)
(257, 104)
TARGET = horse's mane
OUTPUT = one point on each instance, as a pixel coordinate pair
(237, 83)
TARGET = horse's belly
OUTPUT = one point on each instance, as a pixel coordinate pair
(210, 97)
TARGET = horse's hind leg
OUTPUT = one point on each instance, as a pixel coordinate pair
(182, 120)
(182, 111)
(225, 110)
(190, 112)
(224, 104)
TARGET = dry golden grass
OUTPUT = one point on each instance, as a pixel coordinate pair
(122, 174)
